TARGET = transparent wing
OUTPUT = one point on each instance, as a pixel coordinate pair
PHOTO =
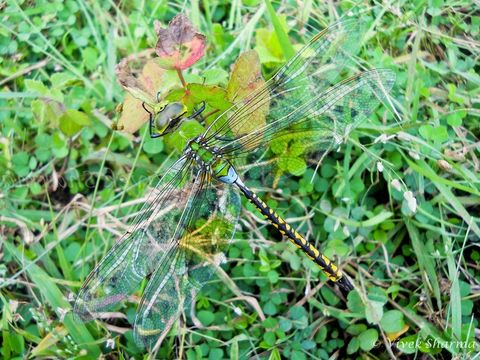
(135, 256)
(315, 67)
(324, 120)
(206, 227)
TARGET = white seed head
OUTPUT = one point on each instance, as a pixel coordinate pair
(110, 343)
(414, 155)
(380, 167)
(396, 184)
(411, 201)
(237, 310)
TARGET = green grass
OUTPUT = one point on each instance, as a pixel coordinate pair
(68, 183)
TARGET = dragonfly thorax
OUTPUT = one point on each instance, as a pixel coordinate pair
(209, 159)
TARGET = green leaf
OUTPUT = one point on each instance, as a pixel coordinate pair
(408, 344)
(392, 321)
(285, 324)
(296, 166)
(270, 322)
(453, 96)
(353, 346)
(269, 308)
(280, 31)
(368, 339)
(426, 131)
(62, 79)
(215, 76)
(297, 312)
(380, 235)
(297, 148)
(378, 294)
(206, 317)
(20, 163)
(327, 170)
(439, 134)
(268, 47)
(90, 58)
(377, 219)
(36, 86)
(273, 276)
(153, 146)
(46, 110)
(356, 329)
(278, 146)
(72, 121)
(308, 344)
(355, 303)
(374, 311)
(269, 338)
(455, 119)
(214, 96)
(215, 354)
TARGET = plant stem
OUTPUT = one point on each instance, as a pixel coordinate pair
(182, 79)
(211, 113)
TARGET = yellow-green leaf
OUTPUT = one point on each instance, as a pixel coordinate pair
(72, 121)
(245, 79)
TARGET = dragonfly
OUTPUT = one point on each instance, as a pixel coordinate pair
(182, 232)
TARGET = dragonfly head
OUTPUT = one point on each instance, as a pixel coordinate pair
(167, 117)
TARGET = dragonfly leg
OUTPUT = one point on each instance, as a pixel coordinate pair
(145, 108)
(151, 126)
(197, 112)
(152, 129)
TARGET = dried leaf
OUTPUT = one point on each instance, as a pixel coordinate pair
(130, 78)
(142, 88)
(152, 77)
(179, 46)
(133, 115)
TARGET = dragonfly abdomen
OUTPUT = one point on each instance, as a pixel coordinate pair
(327, 266)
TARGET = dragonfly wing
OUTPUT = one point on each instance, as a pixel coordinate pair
(315, 67)
(201, 237)
(324, 120)
(130, 260)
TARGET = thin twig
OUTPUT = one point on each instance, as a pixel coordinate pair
(22, 72)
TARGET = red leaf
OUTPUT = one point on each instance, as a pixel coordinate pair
(180, 45)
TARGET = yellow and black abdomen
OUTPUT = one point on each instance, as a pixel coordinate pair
(329, 268)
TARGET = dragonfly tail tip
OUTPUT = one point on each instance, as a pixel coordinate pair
(345, 284)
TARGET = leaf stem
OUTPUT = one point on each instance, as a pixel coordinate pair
(213, 112)
(182, 79)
